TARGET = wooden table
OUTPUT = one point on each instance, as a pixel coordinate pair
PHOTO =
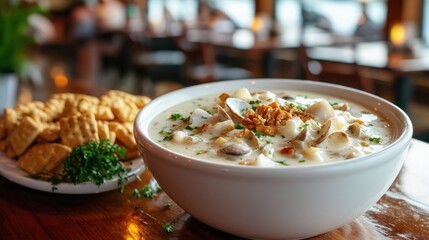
(378, 55)
(402, 213)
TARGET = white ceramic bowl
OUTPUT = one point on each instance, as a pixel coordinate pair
(275, 203)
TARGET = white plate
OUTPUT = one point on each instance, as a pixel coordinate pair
(10, 170)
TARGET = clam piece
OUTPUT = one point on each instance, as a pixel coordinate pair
(323, 132)
(342, 107)
(321, 111)
(236, 149)
(220, 128)
(291, 129)
(354, 129)
(198, 117)
(236, 108)
(313, 153)
(222, 114)
(301, 136)
(251, 139)
(183, 138)
(243, 94)
(337, 140)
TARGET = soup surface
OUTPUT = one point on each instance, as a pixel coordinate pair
(270, 128)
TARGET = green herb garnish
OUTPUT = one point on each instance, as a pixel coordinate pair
(375, 139)
(150, 190)
(168, 205)
(94, 162)
(168, 227)
(176, 116)
(257, 101)
(282, 163)
(238, 126)
(259, 134)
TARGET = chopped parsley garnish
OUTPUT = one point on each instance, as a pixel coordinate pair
(334, 104)
(293, 105)
(238, 126)
(304, 126)
(375, 139)
(282, 163)
(189, 128)
(168, 135)
(167, 227)
(94, 162)
(302, 108)
(302, 160)
(199, 152)
(259, 134)
(148, 191)
(243, 111)
(176, 116)
(257, 101)
(168, 205)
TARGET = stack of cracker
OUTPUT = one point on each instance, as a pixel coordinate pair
(42, 134)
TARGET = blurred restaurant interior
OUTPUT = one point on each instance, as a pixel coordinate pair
(150, 47)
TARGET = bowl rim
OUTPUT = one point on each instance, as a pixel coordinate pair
(402, 140)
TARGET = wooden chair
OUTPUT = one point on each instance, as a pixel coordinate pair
(158, 58)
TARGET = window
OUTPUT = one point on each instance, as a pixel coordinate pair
(340, 17)
(241, 12)
(288, 14)
(179, 10)
(425, 25)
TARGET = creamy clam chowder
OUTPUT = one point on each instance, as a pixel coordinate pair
(270, 128)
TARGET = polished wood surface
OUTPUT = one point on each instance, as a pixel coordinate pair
(402, 213)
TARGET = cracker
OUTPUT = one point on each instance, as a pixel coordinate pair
(43, 157)
(51, 132)
(131, 153)
(29, 106)
(87, 106)
(21, 137)
(60, 154)
(125, 111)
(141, 101)
(112, 137)
(104, 113)
(39, 115)
(11, 118)
(125, 136)
(103, 130)
(70, 108)
(78, 130)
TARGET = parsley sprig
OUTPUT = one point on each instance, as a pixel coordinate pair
(94, 162)
(150, 190)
